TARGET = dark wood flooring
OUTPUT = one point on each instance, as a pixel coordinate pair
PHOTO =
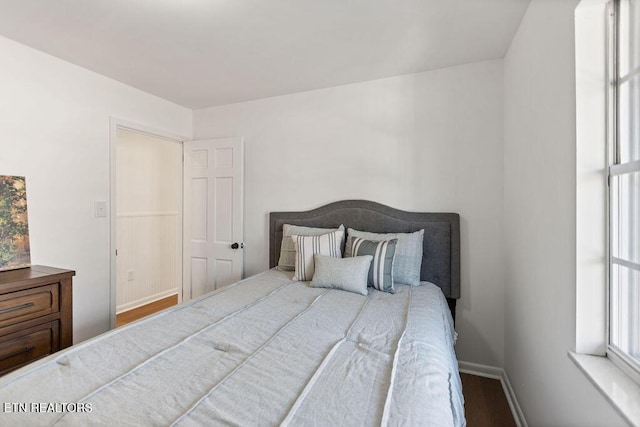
(147, 309)
(485, 403)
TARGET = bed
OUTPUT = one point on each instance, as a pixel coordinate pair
(271, 351)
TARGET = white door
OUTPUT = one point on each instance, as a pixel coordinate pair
(213, 216)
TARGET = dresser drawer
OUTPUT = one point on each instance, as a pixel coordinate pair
(36, 314)
(23, 347)
(29, 304)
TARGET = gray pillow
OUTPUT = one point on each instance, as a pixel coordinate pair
(287, 260)
(408, 259)
(347, 274)
(380, 274)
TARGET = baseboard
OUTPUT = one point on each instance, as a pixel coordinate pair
(144, 301)
(497, 374)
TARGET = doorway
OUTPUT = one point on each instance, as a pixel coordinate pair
(209, 226)
(148, 221)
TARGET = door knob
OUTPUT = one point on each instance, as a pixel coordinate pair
(237, 245)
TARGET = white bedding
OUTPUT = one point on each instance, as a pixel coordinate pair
(264, 351)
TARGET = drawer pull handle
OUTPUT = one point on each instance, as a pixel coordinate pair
(15, 353)
(16, 308)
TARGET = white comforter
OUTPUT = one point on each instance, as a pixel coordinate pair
(264, 351)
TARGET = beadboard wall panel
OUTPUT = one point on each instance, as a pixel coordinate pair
(149, 254)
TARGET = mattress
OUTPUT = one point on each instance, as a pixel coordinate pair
(264, 351)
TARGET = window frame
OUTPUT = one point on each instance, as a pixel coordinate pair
(615, 168)
(591, 233)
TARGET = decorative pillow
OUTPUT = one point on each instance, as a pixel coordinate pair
(346, 274)
(329, 244)
(381, 270)
(408, 261)
(287, 260)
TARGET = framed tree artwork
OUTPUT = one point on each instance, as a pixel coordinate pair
(14, 223)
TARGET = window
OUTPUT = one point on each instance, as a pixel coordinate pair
(624, 185)
(607, 43)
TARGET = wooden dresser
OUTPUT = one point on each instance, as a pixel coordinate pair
(35, 314)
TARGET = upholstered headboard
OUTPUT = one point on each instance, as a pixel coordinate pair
(441, 251)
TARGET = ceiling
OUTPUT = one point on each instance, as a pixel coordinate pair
(201, 53)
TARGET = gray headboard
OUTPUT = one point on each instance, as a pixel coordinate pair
(441, 252)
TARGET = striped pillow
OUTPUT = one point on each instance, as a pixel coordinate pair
(287, 261)
(307, 246)
(408, 258)
(381, 270)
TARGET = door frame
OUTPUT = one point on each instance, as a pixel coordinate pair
(116, 123)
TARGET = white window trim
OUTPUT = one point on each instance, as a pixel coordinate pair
(591, 177)
(618, 388)
(591, 213)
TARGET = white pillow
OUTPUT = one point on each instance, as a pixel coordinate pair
(307, 246)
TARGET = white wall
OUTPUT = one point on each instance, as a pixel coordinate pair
(539, 217)
(149, 173)
(424, 142)
(54, 118)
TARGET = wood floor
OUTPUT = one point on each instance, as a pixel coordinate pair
(485, 403)
(140, 312)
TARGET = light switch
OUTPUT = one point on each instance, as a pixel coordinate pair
(101, 209)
